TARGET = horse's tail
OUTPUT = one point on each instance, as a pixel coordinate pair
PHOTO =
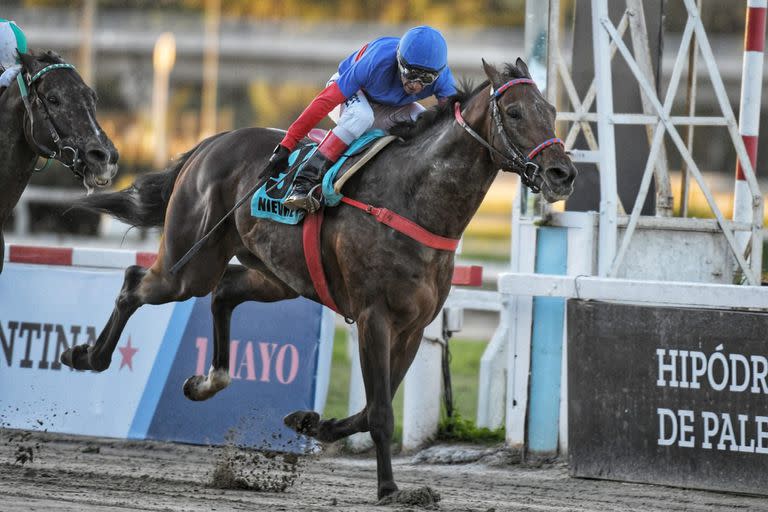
(143, 204)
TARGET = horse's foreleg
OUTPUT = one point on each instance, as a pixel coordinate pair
(99, 356)
(237, 285)
(374, 333)
(143, 286)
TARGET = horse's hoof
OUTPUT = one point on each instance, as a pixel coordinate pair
(385, 490)
(76, 357)
(191, 387)
(303, 422)
(422, 497)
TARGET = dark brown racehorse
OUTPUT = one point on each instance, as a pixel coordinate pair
(58, 121)
(391, 285)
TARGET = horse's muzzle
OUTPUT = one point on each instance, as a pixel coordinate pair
(557, 181)
(100, 164)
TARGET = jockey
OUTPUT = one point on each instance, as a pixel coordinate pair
(12, 42)
(377, 86)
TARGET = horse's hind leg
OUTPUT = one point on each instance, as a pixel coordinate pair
(327, 431)
(239, 284)
(330, 430)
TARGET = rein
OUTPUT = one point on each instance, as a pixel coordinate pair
(405, 226)
(524, 164)
(42, 150)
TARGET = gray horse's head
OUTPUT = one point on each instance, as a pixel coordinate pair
(528, 120)
(63, 107)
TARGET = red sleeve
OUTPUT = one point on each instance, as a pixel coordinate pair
(318, 109)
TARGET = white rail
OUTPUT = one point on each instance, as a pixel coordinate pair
(635, 291)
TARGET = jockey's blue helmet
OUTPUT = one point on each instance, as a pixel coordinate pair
(423, 47)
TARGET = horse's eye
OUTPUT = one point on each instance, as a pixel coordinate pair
(53, 100)
(514, 113)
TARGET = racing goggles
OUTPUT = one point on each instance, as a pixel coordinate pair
(414, 74)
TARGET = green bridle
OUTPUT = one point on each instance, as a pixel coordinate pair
(42, 150)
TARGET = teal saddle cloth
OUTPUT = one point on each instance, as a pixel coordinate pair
(267, 202)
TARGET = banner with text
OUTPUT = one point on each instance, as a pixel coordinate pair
(668, 395)
(273, 362)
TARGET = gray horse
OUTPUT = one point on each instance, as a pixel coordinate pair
(56, 118)
(391, 285)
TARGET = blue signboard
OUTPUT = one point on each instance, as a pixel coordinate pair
(279, 362)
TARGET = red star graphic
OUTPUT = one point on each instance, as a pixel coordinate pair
(127, 352)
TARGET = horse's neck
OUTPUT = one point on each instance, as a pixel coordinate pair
(17, 159)
(453, 177)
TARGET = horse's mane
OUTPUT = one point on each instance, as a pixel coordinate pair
(432, 116)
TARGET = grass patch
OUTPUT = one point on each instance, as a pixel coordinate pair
(465, 363)
(457, 428)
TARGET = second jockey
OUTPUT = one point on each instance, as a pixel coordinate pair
(377, 86)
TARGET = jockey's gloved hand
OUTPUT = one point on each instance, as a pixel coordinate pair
(277, 162)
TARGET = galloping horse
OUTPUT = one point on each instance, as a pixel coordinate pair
(390, 284)
(50, 112)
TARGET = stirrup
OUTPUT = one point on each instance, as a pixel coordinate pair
(308, 202)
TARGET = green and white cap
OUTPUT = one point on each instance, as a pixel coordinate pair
(12, 38)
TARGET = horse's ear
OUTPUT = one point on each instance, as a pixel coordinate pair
(53, 56)
(493, 74)
(523, 67)
(27, 61)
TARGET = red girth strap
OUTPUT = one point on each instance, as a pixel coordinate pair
(405, 226)
(312, 255)
(311, 237)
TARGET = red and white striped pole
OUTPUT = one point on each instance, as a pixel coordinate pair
(749, 111)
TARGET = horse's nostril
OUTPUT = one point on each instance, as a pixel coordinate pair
(559, 174)
(97, 155)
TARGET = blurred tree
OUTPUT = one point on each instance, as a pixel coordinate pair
(437, 12)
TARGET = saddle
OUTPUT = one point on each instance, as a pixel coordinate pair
(267, 202)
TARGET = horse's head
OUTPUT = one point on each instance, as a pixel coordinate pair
(522, 133)
(60, 120)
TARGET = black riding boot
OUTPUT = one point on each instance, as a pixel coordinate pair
(310, 175)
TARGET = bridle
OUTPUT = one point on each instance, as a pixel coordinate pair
(519, 162)
(58, 153)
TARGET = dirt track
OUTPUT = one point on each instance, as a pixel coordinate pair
(70, 473)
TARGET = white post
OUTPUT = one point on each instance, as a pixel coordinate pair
(493, 379)
(85, 67)
(210, 68)
(606, 140)
(749, 111)
(164, 57)
(517, 313)
(361, 441)
(421, 400)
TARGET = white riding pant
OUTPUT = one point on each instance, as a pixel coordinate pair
(9, 75)
(357, 115)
